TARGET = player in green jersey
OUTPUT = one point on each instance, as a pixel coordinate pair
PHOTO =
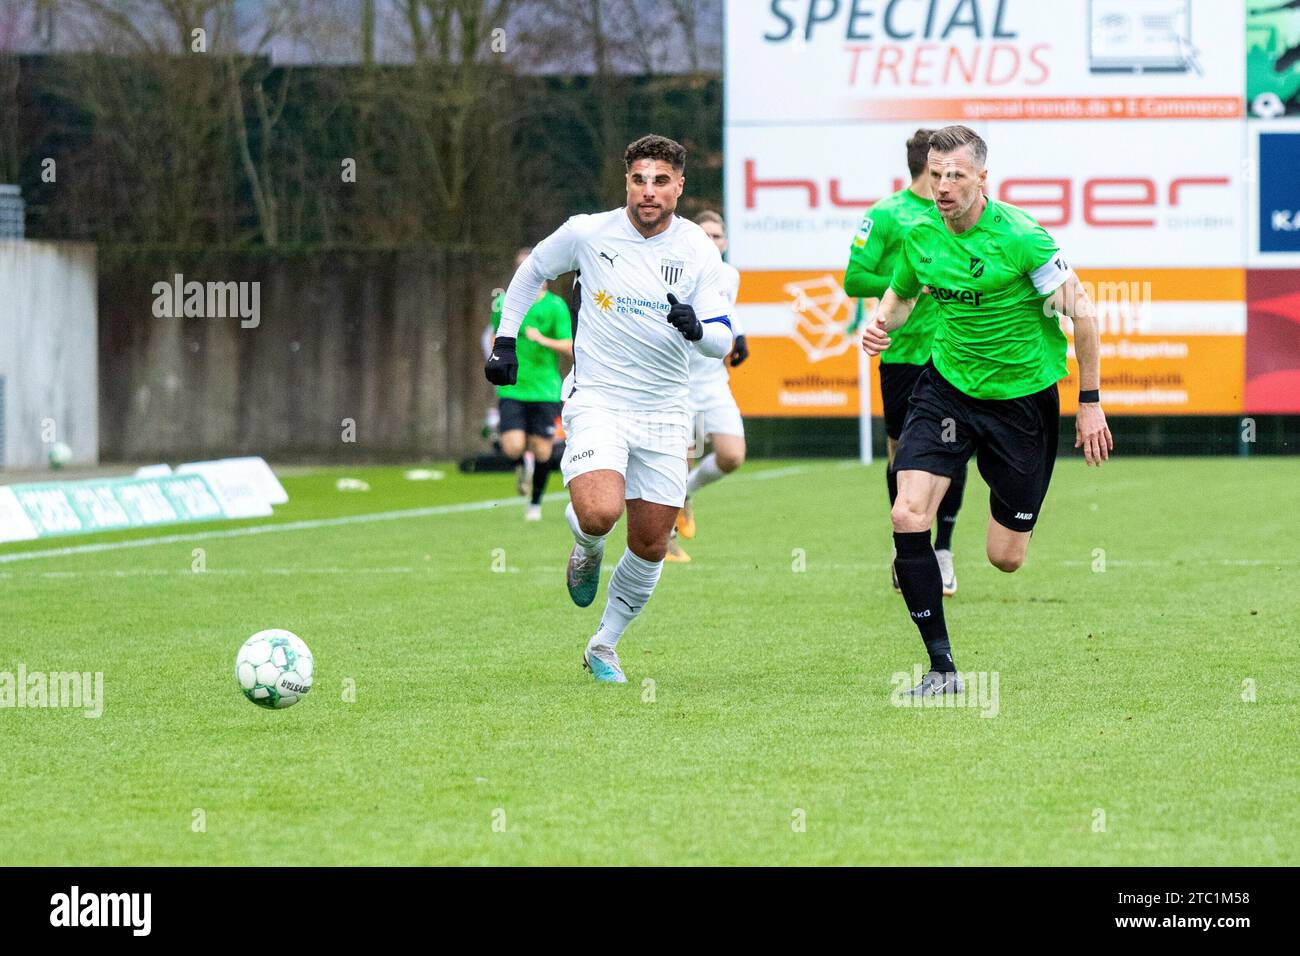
(871, 266)
(1001, 285)
(530, 407)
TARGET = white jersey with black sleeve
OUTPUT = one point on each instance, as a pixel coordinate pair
(625, 353)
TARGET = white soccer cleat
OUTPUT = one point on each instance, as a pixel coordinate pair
(947, 572)
(533, 513)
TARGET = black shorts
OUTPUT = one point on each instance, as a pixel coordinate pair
(1013, 439)
(896, 383)
(532, 418)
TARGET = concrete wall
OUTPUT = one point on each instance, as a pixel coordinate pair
(48, 344)
(388, 339)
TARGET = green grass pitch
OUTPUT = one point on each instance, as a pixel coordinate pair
(1147, 713)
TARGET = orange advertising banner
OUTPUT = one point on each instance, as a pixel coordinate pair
(1177, 347)
(777, 381)
(1188, 375)
(1172, 342)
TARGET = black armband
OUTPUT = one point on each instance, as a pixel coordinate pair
(1089, 396)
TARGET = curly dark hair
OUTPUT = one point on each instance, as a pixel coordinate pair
(656, 148)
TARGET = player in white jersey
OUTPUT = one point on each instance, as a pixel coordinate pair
(717, 416)
(653, 293)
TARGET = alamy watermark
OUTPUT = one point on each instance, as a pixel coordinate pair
(179, 299)
(26, 690)
(979, 689)
(130, 910)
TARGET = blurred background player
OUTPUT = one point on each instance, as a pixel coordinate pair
(529, 408)
(653, 291)
(717, 417)
(871, 266)
(991, 387)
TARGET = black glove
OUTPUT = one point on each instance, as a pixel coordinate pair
(682, 317)
(503, 365)
(739, 351)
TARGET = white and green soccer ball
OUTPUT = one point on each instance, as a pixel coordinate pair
(274, 668)
(60, 454)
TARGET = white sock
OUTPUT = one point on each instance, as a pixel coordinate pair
(588, 542)
(630, 587)
(706, 474)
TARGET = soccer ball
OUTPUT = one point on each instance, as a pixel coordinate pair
(60, 455)
(274, 668)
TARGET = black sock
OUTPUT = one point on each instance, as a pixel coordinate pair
(541, 472)
(891, 479)
(947, 516)
(922, 587)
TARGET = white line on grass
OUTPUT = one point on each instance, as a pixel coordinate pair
(312, 524)
(306, 525)
(172, 572)
(775, 473)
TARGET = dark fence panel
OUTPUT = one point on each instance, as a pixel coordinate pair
(388, 339)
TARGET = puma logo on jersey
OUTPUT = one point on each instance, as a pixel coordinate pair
(605, 255)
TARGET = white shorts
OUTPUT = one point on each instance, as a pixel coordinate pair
(647, 448)
(718, 415)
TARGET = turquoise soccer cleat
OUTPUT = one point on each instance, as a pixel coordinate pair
(603, 664)
(583, 575)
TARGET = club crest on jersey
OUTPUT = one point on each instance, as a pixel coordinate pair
(671, 269)
(976, 267)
